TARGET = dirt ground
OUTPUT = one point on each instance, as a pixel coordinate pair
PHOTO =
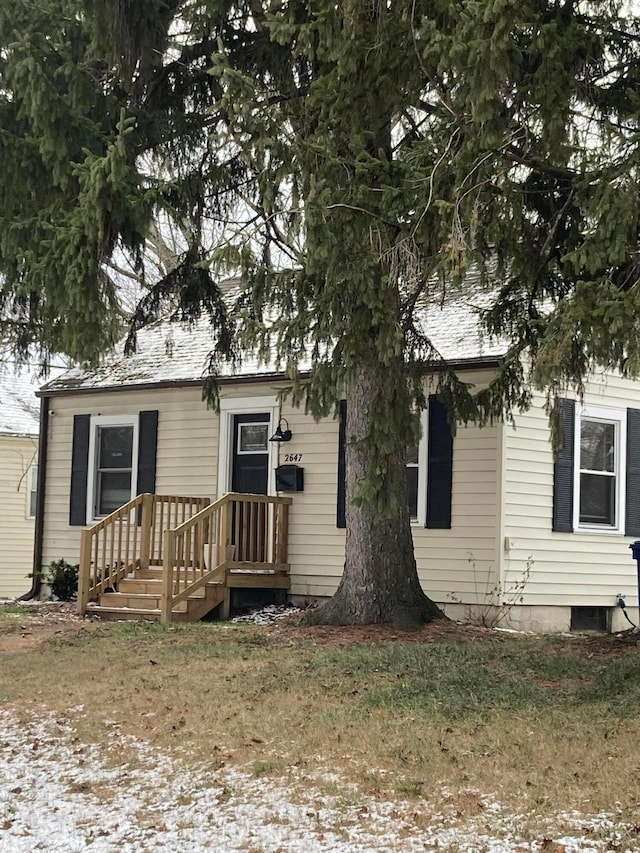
(43, 621)
(39, 623)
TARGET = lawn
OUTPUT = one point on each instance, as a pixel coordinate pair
(544, 726)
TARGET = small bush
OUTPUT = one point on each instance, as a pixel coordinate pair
(63, 580)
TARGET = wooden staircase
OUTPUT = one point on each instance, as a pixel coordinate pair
(176, 559)
(139, 597)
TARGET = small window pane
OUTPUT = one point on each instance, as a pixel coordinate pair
(33, 501)
(597, 499)
(412, 455)
(597, 446)
(412, 491)
(33, 490)
(253, 438)
(114, 490)
(116, 447)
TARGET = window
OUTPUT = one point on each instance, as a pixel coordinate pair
(429, 469)
(253, 438)
(416, 462)
(113, 444)
(129, 456)
(590, 619)
(413, 472)
(32, 490)
(600, 443)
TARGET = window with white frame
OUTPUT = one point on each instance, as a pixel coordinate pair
(113, 443)
(32, 490)
(416, 463)
(253, 438)
(600, 447)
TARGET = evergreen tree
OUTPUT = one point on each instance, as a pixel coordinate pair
(353, 159)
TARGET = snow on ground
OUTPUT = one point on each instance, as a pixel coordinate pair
(57, 794)
(265, 615)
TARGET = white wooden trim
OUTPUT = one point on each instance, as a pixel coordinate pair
(107, 421)
(230, 406)
(503, 555)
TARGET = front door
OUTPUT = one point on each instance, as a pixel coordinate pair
(250, 463)
(250, 475)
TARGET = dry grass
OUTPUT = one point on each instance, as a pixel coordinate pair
(542, 725)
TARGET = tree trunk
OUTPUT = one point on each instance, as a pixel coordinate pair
(380, 580)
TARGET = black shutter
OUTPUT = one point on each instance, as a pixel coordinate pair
(147, 450)
(440, 465)
(632, 511)
(79, 469)
(341, 515)
(563, 470)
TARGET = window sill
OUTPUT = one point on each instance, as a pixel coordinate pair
(600, 531)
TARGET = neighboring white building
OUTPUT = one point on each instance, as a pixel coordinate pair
(500, 527)
(19, 416)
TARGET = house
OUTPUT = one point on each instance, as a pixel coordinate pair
(502, 529)
(19, 416)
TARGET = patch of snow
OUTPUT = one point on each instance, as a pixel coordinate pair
(514, 631)
(61, 796)
(265, 615)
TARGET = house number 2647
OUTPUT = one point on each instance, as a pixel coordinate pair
(293, 457)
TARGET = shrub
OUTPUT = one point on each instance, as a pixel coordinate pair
(63, 580)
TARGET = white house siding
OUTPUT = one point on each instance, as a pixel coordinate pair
(457, 564)
(461, 564)
(186, 453)
(567, 569)
(16, 529)
(316, 545)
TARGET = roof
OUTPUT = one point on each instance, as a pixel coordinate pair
(19, 407)
(169, 352)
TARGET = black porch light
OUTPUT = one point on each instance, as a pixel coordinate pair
(282, 434)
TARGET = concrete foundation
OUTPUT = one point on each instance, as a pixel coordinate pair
(539, 619)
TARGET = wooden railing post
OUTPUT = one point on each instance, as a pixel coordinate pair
(168, 556)
(84, 572)
(145, 531)
(282, 533)
(226, 525)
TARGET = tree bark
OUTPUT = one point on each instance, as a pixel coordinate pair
(380, 580)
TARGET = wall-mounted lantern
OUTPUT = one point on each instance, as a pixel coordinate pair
(282, 434)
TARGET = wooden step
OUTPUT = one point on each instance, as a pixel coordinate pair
(147, 586)
(116, 614)
(137, 586)
(150, 573)
(155, 573)
(135, 601)
(140, 596)
(197, 608)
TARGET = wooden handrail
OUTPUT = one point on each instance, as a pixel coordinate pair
(127, 539)
(237, 529)
(195, 541)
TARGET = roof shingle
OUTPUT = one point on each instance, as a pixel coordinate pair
(172, 352)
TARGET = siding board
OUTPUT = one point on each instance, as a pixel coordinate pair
(16, 530)
(580, 569)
